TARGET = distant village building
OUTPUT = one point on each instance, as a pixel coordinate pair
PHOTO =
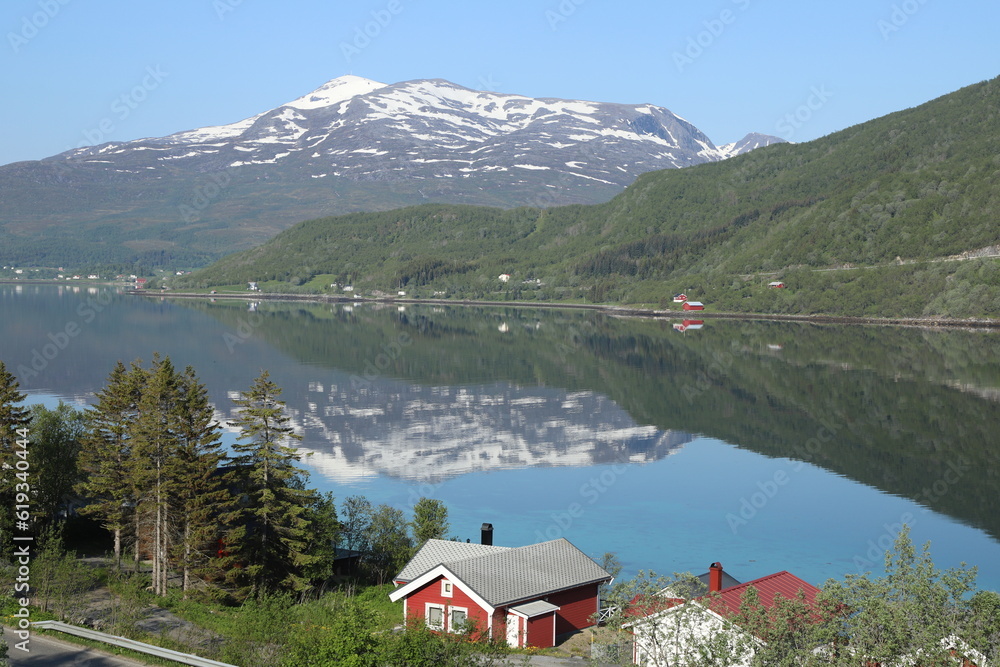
(504, 277)
(694, 305)
(253, 286)
(776, 283)
(680, 298)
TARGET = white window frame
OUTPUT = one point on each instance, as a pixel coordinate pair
(447, 588)
(452, 610)
(427, 615)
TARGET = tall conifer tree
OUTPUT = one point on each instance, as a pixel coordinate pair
(156, 445)
(106, 452)
(269, 525)
(201, 490)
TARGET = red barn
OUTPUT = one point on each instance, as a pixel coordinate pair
(693, 305)
(776, 284)
(527, 594)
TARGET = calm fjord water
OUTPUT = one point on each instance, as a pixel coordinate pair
(766, 446)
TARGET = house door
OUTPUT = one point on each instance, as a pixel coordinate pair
(513, 631)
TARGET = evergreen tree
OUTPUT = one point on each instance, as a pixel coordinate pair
(107, 449)
(156, 443)
(14, 419)
(324, 532)
(269, 526)
(201, 493)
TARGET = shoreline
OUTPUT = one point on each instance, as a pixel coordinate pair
(620, 311)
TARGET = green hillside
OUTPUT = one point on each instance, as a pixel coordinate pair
(891, 196)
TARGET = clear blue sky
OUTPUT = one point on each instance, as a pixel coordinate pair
(800, 69)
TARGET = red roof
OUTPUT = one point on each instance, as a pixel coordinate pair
(644, 605)
(783, 583)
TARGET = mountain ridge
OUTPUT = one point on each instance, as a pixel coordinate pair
(350, 145)
(880, 203)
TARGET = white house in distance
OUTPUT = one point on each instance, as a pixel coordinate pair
(669, 629)
(504, 277)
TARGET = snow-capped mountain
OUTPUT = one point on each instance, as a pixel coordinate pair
(364, 130)
(748, 143)
(355, 144)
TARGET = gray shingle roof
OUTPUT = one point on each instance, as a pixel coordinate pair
(536, 608)
(436, 552)
(505, 575)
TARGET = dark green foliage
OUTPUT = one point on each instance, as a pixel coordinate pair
(14, 417)
(57, 437)
(155, 443)
(269, 525)
(324, 534)
(106, 452)
(357, 521)
(430, 521)
(425, 271)
(917, 185)
(200, 489)
(389, 543)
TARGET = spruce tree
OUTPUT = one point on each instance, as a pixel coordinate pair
(156, 445)
(201, 489)
(107, 448)
(268, 537)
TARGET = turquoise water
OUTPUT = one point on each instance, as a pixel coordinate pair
(766, 447)
(672, 515)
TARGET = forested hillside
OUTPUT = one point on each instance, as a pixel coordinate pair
(917, 185)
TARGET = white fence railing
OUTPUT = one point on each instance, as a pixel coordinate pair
(604, 614)
(149, 649)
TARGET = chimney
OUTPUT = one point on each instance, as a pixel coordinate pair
(487, 534)
(715, 578)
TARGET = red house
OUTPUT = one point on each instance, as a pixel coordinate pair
(776, 284)
(693, 305)
(527, 594)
